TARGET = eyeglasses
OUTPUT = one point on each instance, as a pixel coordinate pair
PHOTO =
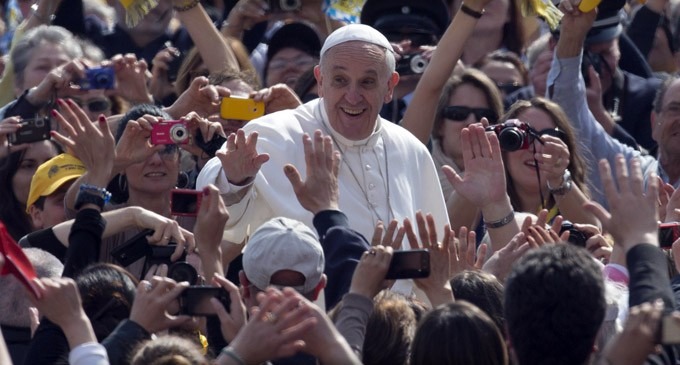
(508, 87)
(302, 63)
(94, 105)
(461, 113)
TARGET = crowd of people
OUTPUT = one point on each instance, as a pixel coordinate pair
(332, 182)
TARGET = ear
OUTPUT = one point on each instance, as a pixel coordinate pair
(245, 284)
(391, 84)
(36, 216)
(319, 79)
(319, 287)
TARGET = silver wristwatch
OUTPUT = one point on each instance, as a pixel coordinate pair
(565, 187)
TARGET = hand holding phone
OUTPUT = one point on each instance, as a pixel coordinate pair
(668, 233)
(195, 300)
(411, 264)
(185, 202)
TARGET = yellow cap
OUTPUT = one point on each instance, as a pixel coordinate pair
(52, 174)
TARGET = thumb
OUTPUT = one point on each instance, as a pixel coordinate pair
(293, 176)
(452, 176)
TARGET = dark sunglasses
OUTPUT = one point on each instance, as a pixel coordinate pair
(95, 106)
(461, 113)
(508, 87)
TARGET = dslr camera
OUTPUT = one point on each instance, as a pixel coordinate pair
(138, 247)
(32, 130)
(282, 6)
(98, 78)
(412, 64)
(513, 135)
(170, 132)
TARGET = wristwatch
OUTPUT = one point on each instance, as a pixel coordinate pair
(565, 187)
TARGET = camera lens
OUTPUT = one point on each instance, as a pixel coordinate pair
(418, 64)
(290, 5)
(102, 80)
(179, 133)
(511, 139)
(182, 271)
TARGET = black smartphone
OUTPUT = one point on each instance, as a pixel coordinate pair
(412, 264)
(133, 249)
(32, 130)
(185, 202)
(668, 233)
(195, 300)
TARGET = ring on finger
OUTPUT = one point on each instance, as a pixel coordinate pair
(148, 287)
(270, 317)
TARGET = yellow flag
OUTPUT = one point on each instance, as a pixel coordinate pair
(137, 9)
(544, 9)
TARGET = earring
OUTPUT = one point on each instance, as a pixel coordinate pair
(183, 180)
(122, 182)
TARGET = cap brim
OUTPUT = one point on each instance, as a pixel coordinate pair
(51, 189)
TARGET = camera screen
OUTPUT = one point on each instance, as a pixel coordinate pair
(409, 265)
(195, 300)
(668, 233)
(185, 202)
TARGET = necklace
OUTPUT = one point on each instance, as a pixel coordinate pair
(386, 178)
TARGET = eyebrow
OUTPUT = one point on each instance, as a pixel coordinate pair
(370, 72)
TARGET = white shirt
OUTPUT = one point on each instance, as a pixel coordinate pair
(389, 162)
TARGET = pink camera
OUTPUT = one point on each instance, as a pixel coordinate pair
(170, 132)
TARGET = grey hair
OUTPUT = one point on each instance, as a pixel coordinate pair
(23, 51)
(14, 301)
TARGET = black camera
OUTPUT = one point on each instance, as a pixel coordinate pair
(412, 64)
(590, 59)
(32, 130)
(98, 78)
(576, 237)
(138, 247)
(513, 135)
(282, 6)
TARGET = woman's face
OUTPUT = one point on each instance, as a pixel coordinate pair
(43, 59)
(506, 76)
(521, 164)
(157, 175)
(465, 95)
(36, 154)
(94, 103)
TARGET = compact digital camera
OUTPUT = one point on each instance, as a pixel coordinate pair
(98, 78)
(412, 64)
(513, 135)
(32, 130)
(170, 132)
(282, 6)
(576, 237)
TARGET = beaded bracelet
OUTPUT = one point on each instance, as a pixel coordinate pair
(501, 222)
(471, 12)
(95, 190)
(228, 351)
(190, 4)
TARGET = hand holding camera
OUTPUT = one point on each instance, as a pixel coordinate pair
(154, 301)
(244, 15)
(62, 80)
(9, 128)
(134, 145)
(233, 316)
(132, 78)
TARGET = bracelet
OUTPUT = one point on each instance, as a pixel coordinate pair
(471, 12)
(501, 222)
(187, 5)
(228, 351)
(95, 190)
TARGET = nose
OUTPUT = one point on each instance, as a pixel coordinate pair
(155, 158)
(353, 95)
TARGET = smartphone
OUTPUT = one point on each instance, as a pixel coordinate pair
(588, 5)
(241, 108)
(412, 264)
(32, 130)
(670, 330)
(668, 233)
(195, 300)
(185, 202)
(133, 249)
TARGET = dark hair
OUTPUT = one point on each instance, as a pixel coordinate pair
(230, 74)
(483, 290)
(107, 292)
(577, 165)
(168, 350)
(458, 334)
(506, 56)
(476, 79)
(554, 305)
(12, 211)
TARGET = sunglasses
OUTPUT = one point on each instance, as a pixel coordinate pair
(461, 113)
(508, 87)
(95, 105)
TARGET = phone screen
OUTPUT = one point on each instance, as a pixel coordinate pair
(185, 202)
(195, 300)
(410, 264)
(668, 233)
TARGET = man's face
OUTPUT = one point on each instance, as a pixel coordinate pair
(52, 212)
(666, 125)
(355, 82)
(610, 53)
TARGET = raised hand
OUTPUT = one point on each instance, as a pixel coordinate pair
(159, 85)
(320, 190)
(210, 222)
(241, 161)
(233, 318)
(387, 238)
(8, 126)
(150, 308)
(369, 275)
(466, 257)
(200, 97)
(628, 226)
(553, 159)
(132, 77)
(196, 124)
(500, 263)
(278, 97)
(135, 144)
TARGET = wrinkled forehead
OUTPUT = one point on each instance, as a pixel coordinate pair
(371, 55)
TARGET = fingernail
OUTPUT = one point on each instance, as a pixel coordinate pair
(53, 112)
(53, 133)
(102, 118)
(60, 101)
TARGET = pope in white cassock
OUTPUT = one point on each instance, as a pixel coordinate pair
(385, 172)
